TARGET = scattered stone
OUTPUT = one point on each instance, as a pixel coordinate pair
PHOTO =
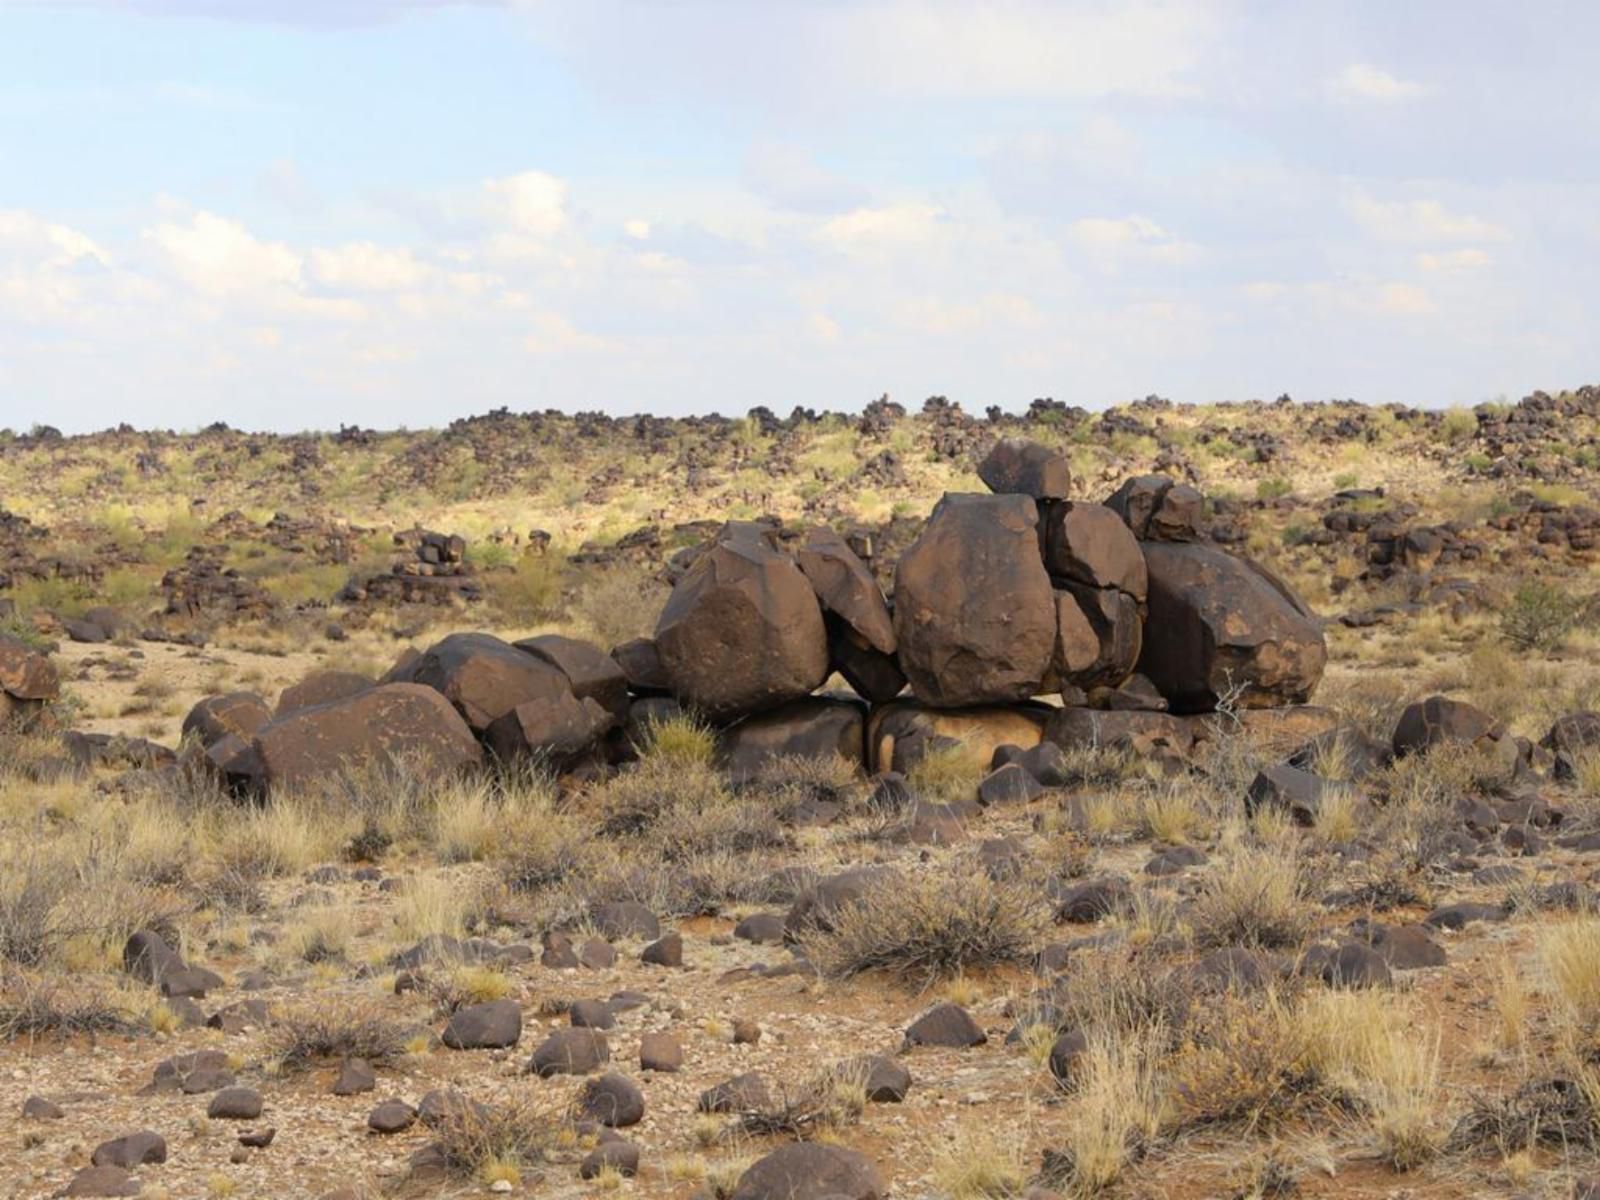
(660, 1052)
(666, 952)
(494, 1025)
(612, 1100)
(392, 1116)
(811, 1171)
(945, 1024)
(573, 1051)
(355, 1076)
(131, 1150)
(235, 1104)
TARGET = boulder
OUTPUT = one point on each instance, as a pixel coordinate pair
(492, 1025)
(553, 729)
(1142, 732)
(814, 727)
(1099, 634)
(386, 723)
(899, 734)
(485, 678)
(742, 630)
(1090, 545)
(1016, 466)
(1439, 721)
(845, 588)
(321, 687)
(640, 663)
(811, 1171)
(872, 674)
(1157, 509)
(974, 610)
(238, 714)
(26, 673)
(591, 673)
(1220, 626)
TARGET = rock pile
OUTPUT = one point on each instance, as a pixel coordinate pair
(1118, 609)
(430, 568)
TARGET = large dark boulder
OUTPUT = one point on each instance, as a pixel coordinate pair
(26, 673)
(216, 717)
(845, 588)
(1099, 635)
(812, 727)
(321, 687)
(591, 672)
(1089, 544)
(1221, 626)
(973, 608)
(555, 730)
(485, 678)
(742, 630)
(1016, 466)
(1157, 509)
(811, 1171)
(383, 724)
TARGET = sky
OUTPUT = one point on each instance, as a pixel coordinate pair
(296, 214)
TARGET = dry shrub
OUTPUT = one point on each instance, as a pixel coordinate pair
(498, 1141)
(620, 603)
(830, 1101)
(1116, 1113)
(34, 1005)
(1559, 1113)
(1570, 955)
(933, 924)
(1255, 897)
(680, 739)
(1242, 1061)
(981, 1164)
(333, 1029)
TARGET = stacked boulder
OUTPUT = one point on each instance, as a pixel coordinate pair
(1140, 630)
(430, 568)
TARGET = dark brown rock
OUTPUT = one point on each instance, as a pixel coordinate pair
(26, 673)
(235, 1104)
(974, 610)
(845, 588)
(1090, 545)
(811, 1171)
(1157, 509)
(131, 1150)
(321, 687)
(216, 717)
(1016, 466)
(591, 673)
(1221, 626)
(945, 1024)
(813, 727)
(742, 630)
(660, 1051)
(572, 1051)
(485, 678)
(612, 1100)
(494, 1025)
(399, 720)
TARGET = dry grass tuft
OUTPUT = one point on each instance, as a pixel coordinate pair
(1255, 897)
(933, 925)
(335, 1029)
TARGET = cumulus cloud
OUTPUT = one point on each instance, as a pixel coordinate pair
(793, 179)
(1468, 258)
(1112, 240)
(365, 267)
(531, 202)
(1420, 221)
(1363, 83)
(892, 227)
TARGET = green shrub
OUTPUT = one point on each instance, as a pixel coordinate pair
(529, 594)
(1272, 489)
(1539, 616)
(1459, 424)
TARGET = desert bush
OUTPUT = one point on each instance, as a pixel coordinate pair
(1458, 425)
(529, 593)
(1539, 616)
(1255, 897)
(620, 603)
(1117, 1110)
(320, 935)
(946, 773)
(933, 924)
(499, 1141)
(332, 1029)
(34, 1005)
(1242, 1061)
(680, 739)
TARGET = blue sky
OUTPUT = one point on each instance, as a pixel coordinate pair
(290, 214)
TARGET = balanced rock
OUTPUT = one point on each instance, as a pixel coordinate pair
(1016, 466)
(1223, 627)
(973, 607)
(742, 630)
(1157, 509)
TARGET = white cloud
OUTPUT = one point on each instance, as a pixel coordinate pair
(1420, 221)
(45, 241)
(220, 257)
(366, 267)
(554, 334)
(929, 314)
(1466, 259)
(792, 179)
(637, 229)
(1362, 83)
(1113, 239)
(1403, 299)
(897, 225)
(530, 202)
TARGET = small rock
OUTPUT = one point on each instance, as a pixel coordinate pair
(667, 952)
(620, 1156)
(37, 1108)
(131, 1150)
(660, 1052)
(612, 1100)
(392, 1116)
(494, 1025)
(235, 1104)
(355, 1076)
(945, 1025)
